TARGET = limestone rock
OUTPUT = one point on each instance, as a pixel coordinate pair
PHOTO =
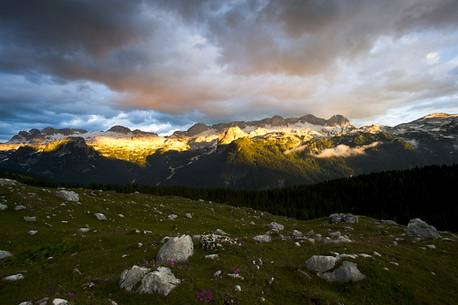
(419, 228)
(320, 263)
(130, 278)
(100, 216)
(14, 277)
(348, 272)
(68, 195)
(265, 238)
(339, 217)
(60, 302)
(7, 182)
(161, 281)
(177, 249)
(5, 254)
(274, 226)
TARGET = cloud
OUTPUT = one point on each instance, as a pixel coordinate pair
(345, 151)
(222, 60)
(432, 58)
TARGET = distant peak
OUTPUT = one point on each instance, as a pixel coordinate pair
(440, 115)
(338, 120)
(119, 129)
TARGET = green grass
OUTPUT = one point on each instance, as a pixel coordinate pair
(48, 259)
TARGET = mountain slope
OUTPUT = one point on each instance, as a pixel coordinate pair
(268, 153)
(62, 261)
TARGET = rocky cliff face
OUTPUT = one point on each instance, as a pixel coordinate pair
(268, 153)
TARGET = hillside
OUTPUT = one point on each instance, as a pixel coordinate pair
(68, 253)
(270, 153)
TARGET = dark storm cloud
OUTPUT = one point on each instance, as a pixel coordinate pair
(225, 59)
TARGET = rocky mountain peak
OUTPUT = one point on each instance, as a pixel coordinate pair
(119, 129)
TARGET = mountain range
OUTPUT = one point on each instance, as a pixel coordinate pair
(268, 153)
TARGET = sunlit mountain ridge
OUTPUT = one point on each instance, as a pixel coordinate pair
(268, 153)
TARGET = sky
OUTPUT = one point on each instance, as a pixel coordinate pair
(163, 65)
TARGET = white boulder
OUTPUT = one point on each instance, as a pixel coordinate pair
(348, 272)
(419, 228)
(161, 281)
(68, 195)
(26, 303)
(131, 277)
(177, 249)
(3, 207)
(320, 263)
(30, 218)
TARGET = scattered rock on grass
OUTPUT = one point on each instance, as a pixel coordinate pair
(418, 227)
(60, 302)
(320, 263)
(339, 217)
(275, 226)
(177, 249)
(14, 277)
(30, 218)
(130, 278)
(100, 216)
(161, 281)
(348, 272)
(5, 254)
(264, 238)
(68, 195)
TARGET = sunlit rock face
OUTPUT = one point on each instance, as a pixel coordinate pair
(121, 143)
(273, 152)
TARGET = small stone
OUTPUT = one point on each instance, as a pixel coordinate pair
(265, 238)
(100, 216)
(237, 288)
(32, 232)
(14, 277)
(211, 256)
(276, 227)
(172, 217)
(3, 207)
(30, 218)
(60, 302)
(188, 215)
(5, 254)
(19, 207)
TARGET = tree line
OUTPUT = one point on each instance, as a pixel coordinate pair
(429, 193)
